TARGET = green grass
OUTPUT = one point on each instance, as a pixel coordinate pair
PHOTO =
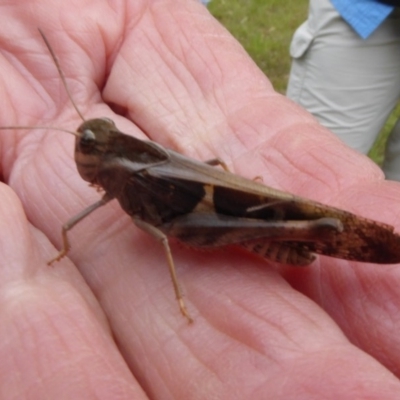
(265, 29)
(377, 153)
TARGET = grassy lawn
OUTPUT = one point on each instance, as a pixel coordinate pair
(265, 29)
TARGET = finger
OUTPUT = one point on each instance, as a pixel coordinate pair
(54, 333)
(217, 102)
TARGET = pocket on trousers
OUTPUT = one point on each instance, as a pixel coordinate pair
(301, 41)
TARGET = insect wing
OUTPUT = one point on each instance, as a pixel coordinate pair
(359, 239)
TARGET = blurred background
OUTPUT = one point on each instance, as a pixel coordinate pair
(265, 29)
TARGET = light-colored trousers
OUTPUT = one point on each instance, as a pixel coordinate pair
(349, 84)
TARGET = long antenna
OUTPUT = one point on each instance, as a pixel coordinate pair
(40, 127)
(53, 56)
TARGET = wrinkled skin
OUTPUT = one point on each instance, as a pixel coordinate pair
(103, 323)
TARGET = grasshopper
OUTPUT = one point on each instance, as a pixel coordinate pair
(169, 195)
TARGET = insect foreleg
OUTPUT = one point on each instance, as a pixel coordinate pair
(217, 162)
(157, 234)
(72, 222)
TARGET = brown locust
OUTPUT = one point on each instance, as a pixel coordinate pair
(203, 205)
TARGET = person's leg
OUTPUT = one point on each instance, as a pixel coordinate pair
(391, 165)
(349, 84)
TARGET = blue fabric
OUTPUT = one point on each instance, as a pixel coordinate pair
(364, 16)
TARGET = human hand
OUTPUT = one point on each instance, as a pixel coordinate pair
(117, 333)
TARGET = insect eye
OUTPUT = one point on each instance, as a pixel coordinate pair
(88, 136)
(87, 140)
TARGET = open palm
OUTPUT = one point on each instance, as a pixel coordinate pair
(104, 322)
